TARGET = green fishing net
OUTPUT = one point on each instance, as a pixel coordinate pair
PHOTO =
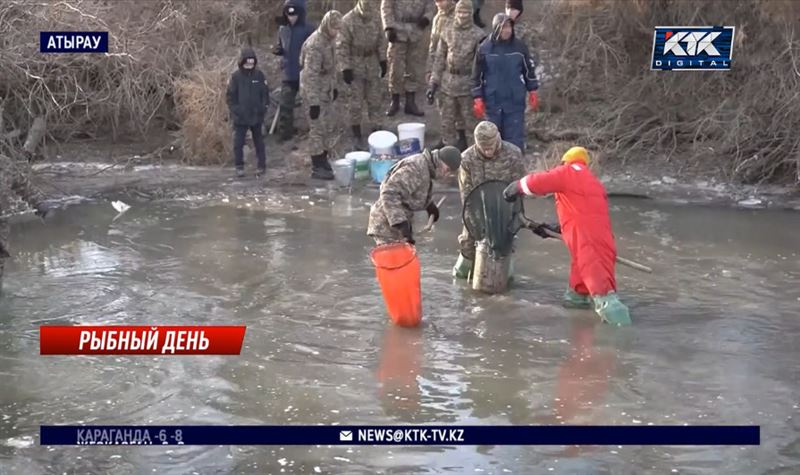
(488, 216)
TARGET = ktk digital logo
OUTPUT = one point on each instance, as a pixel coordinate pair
(692, 48)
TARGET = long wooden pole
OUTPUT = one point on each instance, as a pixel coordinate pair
(621, 260)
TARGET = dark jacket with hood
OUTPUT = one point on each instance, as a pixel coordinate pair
(503, 72)
(291, 39)
(248, 93)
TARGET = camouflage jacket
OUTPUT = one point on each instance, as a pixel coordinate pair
(361, 44)
(14, 182)
(408, 187)
(403, 15)
(442, 21)
(318, 68)
(506, 165)
(452, 66)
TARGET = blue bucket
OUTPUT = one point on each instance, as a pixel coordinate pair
(379, 168)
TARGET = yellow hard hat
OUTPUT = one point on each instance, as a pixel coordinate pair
(576, 154)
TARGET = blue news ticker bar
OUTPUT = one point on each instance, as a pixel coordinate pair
(400, 435)
(73, 42)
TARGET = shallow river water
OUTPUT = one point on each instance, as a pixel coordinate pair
(714, 341)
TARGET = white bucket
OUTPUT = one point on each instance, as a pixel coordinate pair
(344, 170)
(412, 130)
(362, 163)
(382, 142)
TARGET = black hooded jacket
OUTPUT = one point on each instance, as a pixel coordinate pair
(248, 93)
(291, 39)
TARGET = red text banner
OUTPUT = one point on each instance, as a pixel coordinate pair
(140, 340)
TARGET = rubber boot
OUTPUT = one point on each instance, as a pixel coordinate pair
(326, 164)
(476, 18)
(394, 107)
(611, 310)
(411, 105)
(462, 140)
(318, 169)
(463, 267)
(573, 299)
(511, 270)
(358, 137)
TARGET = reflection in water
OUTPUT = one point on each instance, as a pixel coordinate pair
(583, 377)
(400, 363)
(714, 340)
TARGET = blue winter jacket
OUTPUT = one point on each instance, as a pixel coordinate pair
(503, 72)
(291, 39)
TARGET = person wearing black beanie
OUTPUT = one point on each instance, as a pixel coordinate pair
(514, 4)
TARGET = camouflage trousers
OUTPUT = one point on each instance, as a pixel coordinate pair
(466, 244)
(322, 131)
(456, 114)
(368, 90)
(285, 126)
(406, 66)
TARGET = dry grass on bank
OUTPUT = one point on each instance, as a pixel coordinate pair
(162, 72)
(200, 101)
(745, 121)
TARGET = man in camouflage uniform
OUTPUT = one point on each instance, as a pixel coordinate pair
(362, 59)
(408, 187)
(443, 20)
(404, 24)
(444, 17)
(491, 158)
(452, 69)
(318, 89)
(14, 181)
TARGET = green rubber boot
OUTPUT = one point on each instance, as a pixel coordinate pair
(573, 299)
(463, 267)
(611, 310)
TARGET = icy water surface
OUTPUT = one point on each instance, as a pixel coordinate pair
(714, 341)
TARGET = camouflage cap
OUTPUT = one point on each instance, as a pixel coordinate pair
(331, 21)
(464, 6)
(487, 138)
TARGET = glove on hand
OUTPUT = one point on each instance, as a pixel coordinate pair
(347, 75)
(533, 100)
(423, 23)
(405, 230)
(541, 230)
(433, 210)
(431, 93)
(478, 108)
(391, 35)
(383, 66)
(512, 191)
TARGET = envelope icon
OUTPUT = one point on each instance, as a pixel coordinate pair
(345, 436)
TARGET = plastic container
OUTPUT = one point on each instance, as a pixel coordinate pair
(381, 142)
(412, 130)
(398, 272)
(404, 148)
(379, 167)
(344, 171)
(491, 273)
(362, 164)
